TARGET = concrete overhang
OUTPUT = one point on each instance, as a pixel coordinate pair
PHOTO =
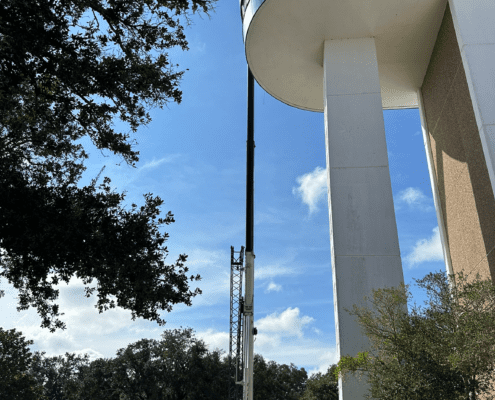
(284, 44)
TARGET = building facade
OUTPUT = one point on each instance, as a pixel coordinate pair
(454, 142)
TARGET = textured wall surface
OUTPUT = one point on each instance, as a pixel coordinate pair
(466, 197)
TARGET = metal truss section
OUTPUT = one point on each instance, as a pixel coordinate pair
(236, 311)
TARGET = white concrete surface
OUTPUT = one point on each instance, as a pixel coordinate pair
(284, 44)
(474, 23)
(363, 233)
(369, 151)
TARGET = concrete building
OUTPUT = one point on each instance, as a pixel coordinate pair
(353, 58)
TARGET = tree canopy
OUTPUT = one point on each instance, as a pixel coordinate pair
(442, 350)
(322, 386)
(68, 70)
(273, 381)
(178, 366)
(15, 361)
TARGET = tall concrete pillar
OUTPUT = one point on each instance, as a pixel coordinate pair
(475, 29)
(363, 234)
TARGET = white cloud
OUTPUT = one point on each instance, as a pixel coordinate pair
(93, 354)
(325, 359)
(213, 266)
(281, 338)
(426, 250)
(312, 188)
(411, 195)
(156, 163)
(277, 268)
(123, 176)
(88, 331)
(81, 314)
(273, 287)
(53, 344)
(314, 355)
(415, 198)
(203, 259)
(215, 339)
(288, 323)
(271, 216)
(272, 271)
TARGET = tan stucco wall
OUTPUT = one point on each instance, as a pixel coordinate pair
(466, 197)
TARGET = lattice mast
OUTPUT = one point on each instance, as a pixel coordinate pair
(236, 323)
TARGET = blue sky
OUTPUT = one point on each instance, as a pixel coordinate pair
(193, 156)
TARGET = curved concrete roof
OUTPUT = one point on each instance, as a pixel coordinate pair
(284, 44)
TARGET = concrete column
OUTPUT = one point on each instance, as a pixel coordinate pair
(363, 232)
(474, 23)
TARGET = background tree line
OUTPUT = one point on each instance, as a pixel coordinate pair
(177, 367)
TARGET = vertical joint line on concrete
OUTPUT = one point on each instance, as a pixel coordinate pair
(434, 186)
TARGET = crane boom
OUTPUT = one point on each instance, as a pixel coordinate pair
(249, 293)
(242, 329)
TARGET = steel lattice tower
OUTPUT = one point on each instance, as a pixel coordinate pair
(236, 309)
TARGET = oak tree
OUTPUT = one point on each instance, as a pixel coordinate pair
(68, 70)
